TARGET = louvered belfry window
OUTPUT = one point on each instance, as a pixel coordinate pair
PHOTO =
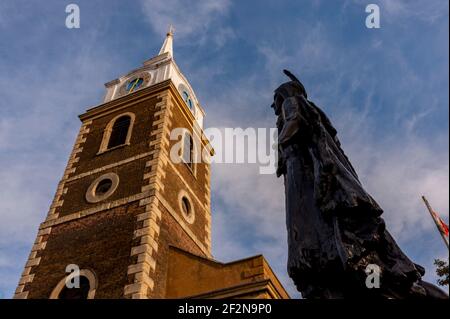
(119, 131)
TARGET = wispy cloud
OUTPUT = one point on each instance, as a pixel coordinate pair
(396, 169)
(395, 11)
(192, 19)
(37, 128)
(415, 9)
(385, 95)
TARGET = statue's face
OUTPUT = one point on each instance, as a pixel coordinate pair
(277, 102)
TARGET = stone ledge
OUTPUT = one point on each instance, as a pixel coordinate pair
(160, 121)
(77, 150)
(143, 232)
(39, 246)
(152, 224)
(26, 271)
(135, 288)
(96, 209)
(136, 250)
(57, 203)
(44, 231)
(150, 240)
(146, 258)
(26, 279)
(159, 141)
(144, 278)
(33, 262)
(106, 167)
(19, 289)
(156, 185)
(152, 207)
(140, 267)
(149, 214)
(71, 170)
(22, 295)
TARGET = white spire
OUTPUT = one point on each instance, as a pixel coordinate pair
(167, 45)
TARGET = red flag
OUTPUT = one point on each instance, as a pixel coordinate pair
(443, 227)
(440, 224)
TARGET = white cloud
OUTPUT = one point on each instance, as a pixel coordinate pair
(35, 137)
(37, 129)
(396, 171)
(250, 218)
(396, 175)
(192, 19)
(394, 11)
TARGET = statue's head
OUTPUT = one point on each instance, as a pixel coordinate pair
(286, 90)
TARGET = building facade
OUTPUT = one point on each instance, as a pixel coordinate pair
(131, 214)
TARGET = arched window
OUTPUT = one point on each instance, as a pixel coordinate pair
(119, 131)
(188, 149)
(76, 293)
(86, 289)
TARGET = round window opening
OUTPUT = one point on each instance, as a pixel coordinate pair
(187, 210)
(103, 187)
(186, 206)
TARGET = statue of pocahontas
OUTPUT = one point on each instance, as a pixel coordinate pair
(336, 234)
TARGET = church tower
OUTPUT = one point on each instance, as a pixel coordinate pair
(121, 196)
(131, 214)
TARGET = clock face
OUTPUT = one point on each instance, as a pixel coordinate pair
(134, 84)
(188, 100)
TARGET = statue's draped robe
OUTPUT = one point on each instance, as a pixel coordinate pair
(334, 225)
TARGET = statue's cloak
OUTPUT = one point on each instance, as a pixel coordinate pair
(334, 225)
(336, 184)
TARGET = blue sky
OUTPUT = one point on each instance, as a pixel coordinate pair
(386, 91)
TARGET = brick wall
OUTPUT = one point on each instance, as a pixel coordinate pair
(109, 240)
(171, 234)
(130, 182)
(89, 159)
(100, 242)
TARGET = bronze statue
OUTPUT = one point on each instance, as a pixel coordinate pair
(335, 229)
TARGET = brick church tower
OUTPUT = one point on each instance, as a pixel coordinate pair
(132, 220)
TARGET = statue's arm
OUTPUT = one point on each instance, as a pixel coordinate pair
(291, 120)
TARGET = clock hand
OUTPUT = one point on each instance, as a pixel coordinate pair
(134, 84)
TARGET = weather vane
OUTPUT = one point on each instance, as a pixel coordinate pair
(171, 30)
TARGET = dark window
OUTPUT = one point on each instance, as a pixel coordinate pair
(76, 293)
(103, 187)
(119, 131)
(186, 206)
(188, 149)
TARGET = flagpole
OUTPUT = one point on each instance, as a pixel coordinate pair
(430, 210)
